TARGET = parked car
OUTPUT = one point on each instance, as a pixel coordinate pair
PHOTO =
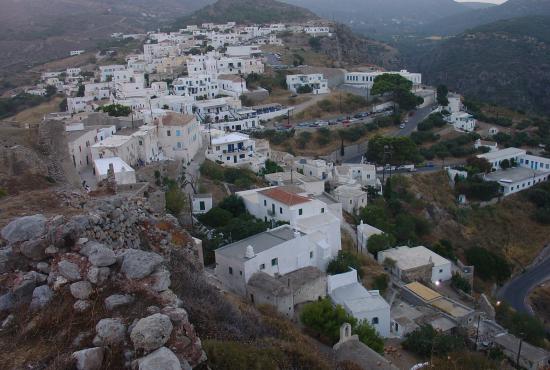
(303, 124)
(321, 123)
(332, 122)
(358, 115)
(402, 126)
(313, 125)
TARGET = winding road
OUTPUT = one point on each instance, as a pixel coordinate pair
(516, 291)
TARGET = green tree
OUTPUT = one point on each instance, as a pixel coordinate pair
(426, 341)
(116, 110)
(368, 335)
(51, 91)
(176, 200)
(271, 167)
(343, 262)
(81, 89)
(304, 89)
(380, 242)
(459, 283)
(488, 265)
(442, 93)
(326, 319)
(393, 150)
(315, 43)
(216, 217)
(233, 204)
(399, 88)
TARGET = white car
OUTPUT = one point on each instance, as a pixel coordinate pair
(402, 126)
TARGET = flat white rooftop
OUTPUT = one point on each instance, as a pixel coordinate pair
(497, 154)
(102, 165)
(231, 138)
(409, 258)
(113, 141)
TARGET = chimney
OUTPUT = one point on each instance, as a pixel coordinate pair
(249, 252)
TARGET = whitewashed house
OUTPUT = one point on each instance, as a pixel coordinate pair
(233, 149)
(364, 232)
(410, 264)
(278, 251)
(462, 121)
(365, 305)
(106, 73)
(316, 81)
(352, 197)
(124, 174)
(366, 79)
(314, 167)
(202, 203)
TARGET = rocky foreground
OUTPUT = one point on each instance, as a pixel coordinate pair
(93, 291)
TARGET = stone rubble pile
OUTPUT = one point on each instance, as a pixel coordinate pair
(94, 254)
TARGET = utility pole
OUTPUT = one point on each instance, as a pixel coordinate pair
(519, 350)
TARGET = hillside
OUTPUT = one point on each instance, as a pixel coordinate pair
(383, 16)
(505, 63)
(248, 12)
(457, 23)
(36, 31)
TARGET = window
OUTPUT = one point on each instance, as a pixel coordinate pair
(178, 132)
(440, 271)
(374, 321)
(274, 262)
(230, 270)
(202, 206)
(311, 254)
(178, 145)
(265, 202)
(281, 210)
(240, 273)
(262, 266)
(322, 210)
(168, 133)
(300, 212)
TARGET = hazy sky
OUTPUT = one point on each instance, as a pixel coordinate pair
(483, 1)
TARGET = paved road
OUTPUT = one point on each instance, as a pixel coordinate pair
(419, 116)
(516, 291)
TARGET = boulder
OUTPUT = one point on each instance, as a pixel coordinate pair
(89, 358)
(23, 291)
(161, 359)
(69, 270)
(151, 332)
(176, 314)
(7, 302)
(43, 267)
(41, 296)
(138, 264)
(34, 249)
(109, 332)
(81, 289)
(6, 257)
(117, 300)
(161, 280)
(81, 305)
(24, 228)
(98, 254)
(98, 275)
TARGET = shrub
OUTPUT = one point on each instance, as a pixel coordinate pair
(233, 204)
(343, 262)
(381, 282)
(176, 200)
(216, 217)
(304, 89)
(380, 242)
(325, 319)
(116, 110)
(212, 170)
(425, 340)
(367, 334)
(488, 265)
(459, 283)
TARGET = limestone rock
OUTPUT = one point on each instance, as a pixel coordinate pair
(98, 275)
(81, 305)
(7, 301)
(41, 296)
(34, 249)
(43, 267)
(151, 332)
(117, 300)
(161, 359)
(138, 264)
(89, 358)
(176, 314)
(69, 270)
(6, 256)
(98, 254)
(109, 332)
(161, 280)
(24, 228)
(81, 289)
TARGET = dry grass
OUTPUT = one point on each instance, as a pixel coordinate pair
(540, 301)
(36, 114)
(506, 227)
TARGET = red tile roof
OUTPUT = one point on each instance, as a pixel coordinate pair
(284, 197)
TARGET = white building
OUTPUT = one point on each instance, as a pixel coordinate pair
(106, 73)
(80, 104)
(124, 174)
(311, 185)
(314, 167)
(364, 232)
(234, 149)
(366, 79)
(122, 146)
(409, 263)
(179, 136)
(202, 203)
(517, 179)
(81, 138)
(352, 197)
(365, 305)
(462, 121)
(317, 31)
(349, 173)
(275, 252)
(509, 154)
(491, 145)
(197, 86)
(316, 81)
